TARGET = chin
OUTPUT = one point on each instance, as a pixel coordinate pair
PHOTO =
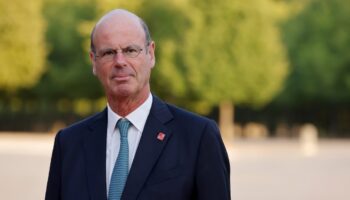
(123, 92)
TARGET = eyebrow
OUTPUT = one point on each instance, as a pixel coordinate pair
(102, 51)
(109, 48)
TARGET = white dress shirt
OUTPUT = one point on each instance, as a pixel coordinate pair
(138, 119)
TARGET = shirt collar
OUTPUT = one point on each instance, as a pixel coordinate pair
(138, 117)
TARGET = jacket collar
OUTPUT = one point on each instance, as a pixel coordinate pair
(149, 149)
(147, 154)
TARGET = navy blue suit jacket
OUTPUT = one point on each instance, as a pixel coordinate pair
(189, 163)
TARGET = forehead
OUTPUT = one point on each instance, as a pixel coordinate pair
(118, 30)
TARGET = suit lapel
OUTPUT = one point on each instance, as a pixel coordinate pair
(149, 149)
(95, 157)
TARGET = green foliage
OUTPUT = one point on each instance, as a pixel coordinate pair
(22, 48)
(233, 52)
(103, 6)
(207, 52)
(168, 22)
(318, 39)
(210, 51)
(69, 74)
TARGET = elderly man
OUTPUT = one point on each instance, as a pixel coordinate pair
(139, 147)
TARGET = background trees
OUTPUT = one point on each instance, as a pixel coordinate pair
(317, 89)
(69, 71)
(22, 46)
(234, 54)
(210, 54)
(318, 40)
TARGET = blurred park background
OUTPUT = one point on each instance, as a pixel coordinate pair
(275, 74)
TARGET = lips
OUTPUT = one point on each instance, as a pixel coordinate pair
(121, 77)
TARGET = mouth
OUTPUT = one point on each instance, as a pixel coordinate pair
(121, 77)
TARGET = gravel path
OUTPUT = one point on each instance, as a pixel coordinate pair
(270, 169)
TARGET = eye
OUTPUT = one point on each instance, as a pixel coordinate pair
(107, 53)
(130, 50)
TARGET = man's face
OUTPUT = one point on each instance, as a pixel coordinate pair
(122, 76)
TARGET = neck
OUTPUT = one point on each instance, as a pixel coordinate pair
(125, 105)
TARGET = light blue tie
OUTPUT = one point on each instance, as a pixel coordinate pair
(121, 166)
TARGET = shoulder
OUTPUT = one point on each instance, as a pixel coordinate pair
(192, 123)
(82, 126)
(168, 111)
(187, 115)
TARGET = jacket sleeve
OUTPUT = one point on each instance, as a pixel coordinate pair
(53, 189)
(212, 167)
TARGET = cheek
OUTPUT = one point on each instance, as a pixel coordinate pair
(101, 73)
(144, 73)
(146, 69)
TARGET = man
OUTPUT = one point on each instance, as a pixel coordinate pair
(139, 147)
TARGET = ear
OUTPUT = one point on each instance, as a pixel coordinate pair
(151, 51)
(93, 62)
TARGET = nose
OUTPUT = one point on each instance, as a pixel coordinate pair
(119, 58)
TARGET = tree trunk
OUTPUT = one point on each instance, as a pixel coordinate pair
(226, 119)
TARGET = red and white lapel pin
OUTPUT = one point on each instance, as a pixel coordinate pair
(161, 136)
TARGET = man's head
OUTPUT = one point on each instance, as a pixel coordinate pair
(122, 54)
(143, 24)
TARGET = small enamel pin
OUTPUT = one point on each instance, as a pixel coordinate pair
(161, 136)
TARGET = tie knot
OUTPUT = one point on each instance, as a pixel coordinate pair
(123, 125)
